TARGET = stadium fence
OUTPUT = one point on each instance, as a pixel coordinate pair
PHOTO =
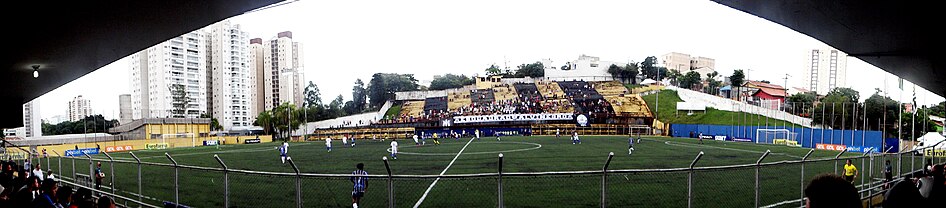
(760, 184)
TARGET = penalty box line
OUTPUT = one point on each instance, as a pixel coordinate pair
(422, 197)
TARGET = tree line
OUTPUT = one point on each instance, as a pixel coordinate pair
(89, 124)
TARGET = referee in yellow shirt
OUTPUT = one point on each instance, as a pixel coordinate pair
(850, 171)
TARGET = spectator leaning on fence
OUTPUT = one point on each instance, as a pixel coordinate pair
(850, 171)
(99, 175)
(360, 184)
(832, 191)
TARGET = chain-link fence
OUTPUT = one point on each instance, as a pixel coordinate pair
(761, 184)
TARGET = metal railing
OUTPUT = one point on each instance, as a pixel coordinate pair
(759, 184)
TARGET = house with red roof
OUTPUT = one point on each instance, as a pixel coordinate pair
(768, 95)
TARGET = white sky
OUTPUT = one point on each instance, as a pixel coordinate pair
(346, 40)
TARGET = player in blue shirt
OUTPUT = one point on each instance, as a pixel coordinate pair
(630, 145)
(283, 150)
(359, 184)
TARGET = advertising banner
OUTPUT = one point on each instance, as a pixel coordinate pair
(120, 148)
(707, 136)
(81, 152)
(513, 117)
(157, 146)
(859, 149)
(834, 147)
(934, 153)
(741, 139)
(720, 138)
(210, 143)
(251, 141)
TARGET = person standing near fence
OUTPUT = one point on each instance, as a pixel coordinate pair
(888, 174)
(99, 175)
(360, 184)
(850, 171)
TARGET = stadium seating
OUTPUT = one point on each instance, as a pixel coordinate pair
(549, 89)
(528, 90)
(630, 105)
(412, 109)
(458, 99)
(482, 97)
(609, 88)
(586, 99)
(504, 92)
(437, 104)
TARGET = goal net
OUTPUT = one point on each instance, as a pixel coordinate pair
(777, 136)
(639, 130)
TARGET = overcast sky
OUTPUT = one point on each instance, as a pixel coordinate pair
(347, 40)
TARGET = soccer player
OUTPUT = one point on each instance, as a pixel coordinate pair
(360, 184)
(700, 137)
(423, 139)
(285, 145)
(328, 144)
(575, 139)
(352, 142)
(557, 134)
(498, 135)
(416, 142)
(436, 139)
(394, 149)
(630, 145)
(283, 150)
(344, 141)
(477, 134)
(850, 171)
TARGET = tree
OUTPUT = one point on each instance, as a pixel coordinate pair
(359, 97)
(838, 107)
(265, 120)
(449, 81)
(938, 109)
(285, 118)
(89, 124)
(382, 86)
(690, 79)
(530, 70)
(312, 95)
(805, 100)
(493, 70)
(615, 71)
(673, 76)
(712, 83)
(737, 79)
(878, 108)
(630, 71)
(179, 100)
(214, 124)
(336, 107)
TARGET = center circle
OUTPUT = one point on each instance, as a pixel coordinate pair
(531, 146)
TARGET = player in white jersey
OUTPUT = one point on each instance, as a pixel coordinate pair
(328, 144)
(575, 139)
(557, 134)
(394, 149)
(344, 141)
(283, 152)
(285, 145)
(498, 135)
(416, 142)
(477, 134)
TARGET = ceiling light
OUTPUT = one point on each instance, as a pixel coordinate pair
(35, 71)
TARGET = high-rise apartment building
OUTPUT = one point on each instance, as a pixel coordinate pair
(169, 79)
(825, 70)
(684, 63)
(79, 108)
(32, 123)
(231, 76)
(124, 108)
(257, 89)
(282, 66)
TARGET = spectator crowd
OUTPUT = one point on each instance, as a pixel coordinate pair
(27, 186)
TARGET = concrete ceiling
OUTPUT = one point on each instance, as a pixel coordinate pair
(896, 36)
(69, 39)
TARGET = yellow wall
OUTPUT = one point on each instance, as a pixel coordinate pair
(140, 144)
(176, 129)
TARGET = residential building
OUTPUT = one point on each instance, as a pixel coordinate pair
(169, 80)
(33, 125)
(587, 68)
(124, 108)
(685, 63)
(767, 95)
(826, 69)
(56, 119)
(282, 60)
(79, 108)
(231, 76)
(257, 89)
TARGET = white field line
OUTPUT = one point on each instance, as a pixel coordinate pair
(723, 148)
(441, 174)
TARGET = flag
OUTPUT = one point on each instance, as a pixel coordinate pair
(914, 99)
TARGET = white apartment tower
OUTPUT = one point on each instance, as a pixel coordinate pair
(282, 67)
(826, 69)
(79, 108)
(231, 76)
(32, 123)
(124, 108)
(178, 64)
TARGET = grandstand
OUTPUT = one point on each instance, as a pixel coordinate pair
(504, 92)
(412, 109)
(458, 99)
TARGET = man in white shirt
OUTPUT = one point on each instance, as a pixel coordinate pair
(328, 144)
(285, 145)
(38, 172)
(394, 149)
(344, 141)
(415, 140)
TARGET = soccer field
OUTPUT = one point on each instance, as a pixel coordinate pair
(712, 188)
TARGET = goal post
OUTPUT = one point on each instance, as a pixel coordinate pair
(777, 136)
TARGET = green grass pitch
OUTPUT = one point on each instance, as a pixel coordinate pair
(712, 188)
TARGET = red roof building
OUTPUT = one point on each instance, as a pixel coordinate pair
(762, 91)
